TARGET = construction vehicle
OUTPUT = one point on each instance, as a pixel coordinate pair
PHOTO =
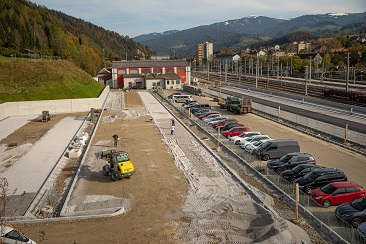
(119, 165)
(224, 103)
(239, 106)
(46, 116)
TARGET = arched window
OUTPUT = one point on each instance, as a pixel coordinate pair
(145, 71)
(169, 71)
(158, 71)
(134, 72)
(181, 70)
(121, 72)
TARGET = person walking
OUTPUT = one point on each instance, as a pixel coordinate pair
(115, 138)
(172, 129)
(173, 122)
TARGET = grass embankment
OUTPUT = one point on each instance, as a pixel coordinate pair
(31, 80)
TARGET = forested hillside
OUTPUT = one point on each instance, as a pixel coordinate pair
(24, 25)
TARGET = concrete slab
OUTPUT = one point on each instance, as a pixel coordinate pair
(29, 173)
(11, 124)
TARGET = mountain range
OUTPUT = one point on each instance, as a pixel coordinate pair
(248, 30)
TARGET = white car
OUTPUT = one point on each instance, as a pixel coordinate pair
(10, 235)
(242, 136)
(249, 148)
(248, 140)
(220, 118)
(209, 117)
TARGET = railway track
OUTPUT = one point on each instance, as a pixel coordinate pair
(284, 85)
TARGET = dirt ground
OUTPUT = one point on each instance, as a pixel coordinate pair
(156, 192)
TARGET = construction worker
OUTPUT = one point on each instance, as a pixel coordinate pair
(115, 138)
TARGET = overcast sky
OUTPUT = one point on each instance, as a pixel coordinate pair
(137, 17)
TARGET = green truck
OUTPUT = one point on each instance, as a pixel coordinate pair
(236, 105)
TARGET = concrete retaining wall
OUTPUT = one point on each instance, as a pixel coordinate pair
(54, 106)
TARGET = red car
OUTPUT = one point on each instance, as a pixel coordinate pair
(206, 114)
(224, 122)
(337, 193)
(235, 131)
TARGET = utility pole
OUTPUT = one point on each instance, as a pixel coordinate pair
(306, 80)
(347, 72)
(278, 67)
(208, 70)
(256, 72)
(310, 71)
(225, 71)
(240, 71)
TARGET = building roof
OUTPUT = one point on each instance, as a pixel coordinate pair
(148, 63)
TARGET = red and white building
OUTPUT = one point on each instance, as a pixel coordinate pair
(150, 74)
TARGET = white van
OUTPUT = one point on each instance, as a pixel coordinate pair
(182, 98)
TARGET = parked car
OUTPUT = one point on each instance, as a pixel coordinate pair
(223, 123)
(336, 193)
(354, 213)
(362, 231)
(217, 120)
(319, 177)
(251, 139)
(298, 171)
(228, 126)
(207, 114)
(190, 104)
(236, 139)
(174, 93)
(234, 131)
(209, 117)
(290, 161)
(11, 235)
(200, 111)
(277, 148)
(203, 105)
(249, 148)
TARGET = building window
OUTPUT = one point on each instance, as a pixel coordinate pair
(169, 71)
(145, 71)
(158, 71)
(177, 82)
(167, 82)
(181, 70)
(121, 72)
(134, 72)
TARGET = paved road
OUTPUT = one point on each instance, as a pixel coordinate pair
(27, 175)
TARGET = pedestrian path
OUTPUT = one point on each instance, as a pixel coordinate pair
(11, 124)
(30, 172)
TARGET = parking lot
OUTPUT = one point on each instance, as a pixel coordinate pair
(325, 153)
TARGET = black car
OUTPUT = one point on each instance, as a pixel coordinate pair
(318, 178)
(290, 161)
(174, 93)
(298, 171)
(228, 126)
(353, 213)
